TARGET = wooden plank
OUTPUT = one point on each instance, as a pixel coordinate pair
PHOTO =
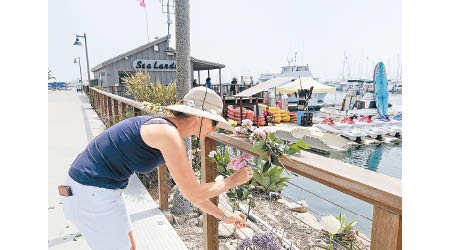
(116, 111)
(123, 111)
(375, 188)
(104, 106)
(163, 187)
(110, 112)
(209, 174)
(136, 111)
(386, 230)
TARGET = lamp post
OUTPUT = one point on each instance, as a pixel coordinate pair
(78, 43)
(79, 64)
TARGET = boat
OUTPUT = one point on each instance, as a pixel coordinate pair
(304, 80)
(359, 102)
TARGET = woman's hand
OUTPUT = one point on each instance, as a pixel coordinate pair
(242, 175)
(237, 218)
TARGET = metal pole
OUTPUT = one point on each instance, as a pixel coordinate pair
(81, 75)
(87, 60)
(183, 58)
(220, 80)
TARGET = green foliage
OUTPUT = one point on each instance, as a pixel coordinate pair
(345, 228)
(269, 179)
(241, 193)
(143, 90)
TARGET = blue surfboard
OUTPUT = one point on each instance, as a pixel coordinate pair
(380, 93)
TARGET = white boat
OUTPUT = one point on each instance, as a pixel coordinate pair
(306, 79)
(354, 106)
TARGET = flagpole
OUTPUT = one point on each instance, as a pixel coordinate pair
(146, 19)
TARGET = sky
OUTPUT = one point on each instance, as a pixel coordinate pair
(250, 37)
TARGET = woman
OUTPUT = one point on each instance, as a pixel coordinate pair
(99, 174)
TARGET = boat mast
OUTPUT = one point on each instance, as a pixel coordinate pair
(343, 67)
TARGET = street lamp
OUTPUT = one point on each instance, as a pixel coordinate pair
(79, 64)
(78, 43)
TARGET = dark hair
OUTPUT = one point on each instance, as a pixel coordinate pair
(179, 114)
(208, 79)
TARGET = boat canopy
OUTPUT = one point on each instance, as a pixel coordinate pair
(305, 83)
(271, 83)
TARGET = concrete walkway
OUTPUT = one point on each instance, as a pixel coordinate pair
(72, 125)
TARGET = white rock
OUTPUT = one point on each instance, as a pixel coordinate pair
(228, 246)
(200, 221)
(282, 201)
(226, 230)
(309, 219)
(299, 206)
(244, 233)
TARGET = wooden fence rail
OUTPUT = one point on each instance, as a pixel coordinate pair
(382, 191)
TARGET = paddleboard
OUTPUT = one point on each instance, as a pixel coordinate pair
(380, 93)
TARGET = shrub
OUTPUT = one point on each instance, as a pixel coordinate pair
(142, 89)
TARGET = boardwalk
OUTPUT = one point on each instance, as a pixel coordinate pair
(72, 124)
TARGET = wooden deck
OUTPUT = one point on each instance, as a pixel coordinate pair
(72, 124)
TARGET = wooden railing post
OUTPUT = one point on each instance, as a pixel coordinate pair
(116, 111)
(110, 112)
(163, 188)
(386, 230)
(209, 174)
(136, 111)
(104, 106)
(123, 110)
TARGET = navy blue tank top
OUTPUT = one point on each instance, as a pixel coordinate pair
(111, 157)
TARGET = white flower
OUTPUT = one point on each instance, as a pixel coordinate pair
(219, 178)
(212, 154)
(191, 103)
(330, 224)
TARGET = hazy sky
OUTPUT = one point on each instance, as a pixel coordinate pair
(249, 37)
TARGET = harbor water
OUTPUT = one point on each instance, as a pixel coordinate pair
(385, 158)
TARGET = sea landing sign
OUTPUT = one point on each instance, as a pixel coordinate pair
(155, 65)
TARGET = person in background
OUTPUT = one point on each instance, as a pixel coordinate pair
(233, 86)
(208, 82)
(251, 80)
(242, 87)
(194, 83)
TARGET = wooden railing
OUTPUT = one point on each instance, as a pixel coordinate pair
(382, 191)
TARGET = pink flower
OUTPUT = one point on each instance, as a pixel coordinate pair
(262, 134)
(231, 164)
(247, 157)
(190, 155)
(240, 165)
(247, 122)
(267, 130)
(243, 130)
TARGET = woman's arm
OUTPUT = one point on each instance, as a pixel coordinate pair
(168, 141)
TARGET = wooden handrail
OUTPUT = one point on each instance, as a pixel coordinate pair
(374, 188)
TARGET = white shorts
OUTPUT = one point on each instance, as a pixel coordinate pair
(100, 214)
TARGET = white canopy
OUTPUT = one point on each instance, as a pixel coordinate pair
(305, 83)
(271, 83)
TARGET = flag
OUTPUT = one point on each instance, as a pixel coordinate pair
(142, 3)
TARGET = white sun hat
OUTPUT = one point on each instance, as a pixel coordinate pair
(203, 102)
